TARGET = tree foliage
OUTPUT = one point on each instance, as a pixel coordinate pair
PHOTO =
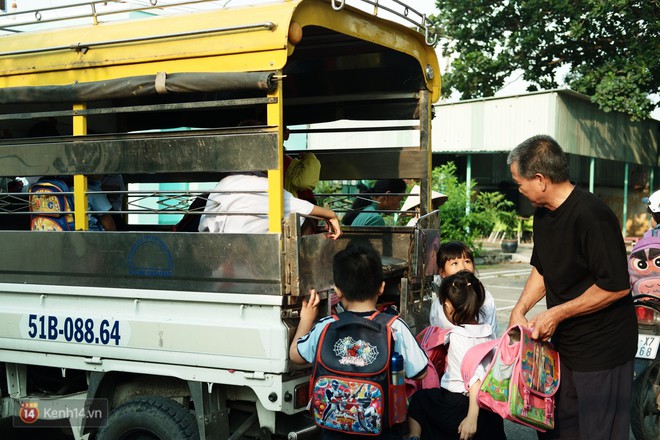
(485, 207)
(610, 47)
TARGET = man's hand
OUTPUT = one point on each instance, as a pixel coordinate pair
(543, 325)
(517, 317)
(532, 293)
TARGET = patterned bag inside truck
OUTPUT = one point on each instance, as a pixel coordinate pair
(51, 206)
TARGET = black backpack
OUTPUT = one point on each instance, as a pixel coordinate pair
(351, 389)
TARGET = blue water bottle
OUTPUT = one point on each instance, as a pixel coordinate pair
(396, 369)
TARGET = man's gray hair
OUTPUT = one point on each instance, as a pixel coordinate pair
(540, 154)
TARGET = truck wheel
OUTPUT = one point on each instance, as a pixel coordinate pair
(150, 418)
(645, 409)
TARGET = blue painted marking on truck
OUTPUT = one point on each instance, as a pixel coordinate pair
(150, 256)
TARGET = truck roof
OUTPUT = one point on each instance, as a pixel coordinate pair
(266, 37)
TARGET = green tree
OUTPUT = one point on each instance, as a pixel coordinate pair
(485, 207)
(610, 47)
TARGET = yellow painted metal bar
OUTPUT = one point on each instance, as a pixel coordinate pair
(79, 180)
(276, 176)
(209, 50)
(200, 42)
(248, 62)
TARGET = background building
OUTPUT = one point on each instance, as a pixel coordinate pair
(609, 154)
(612, 156)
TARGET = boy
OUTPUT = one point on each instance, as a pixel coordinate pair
(100, 203)
(358, 277)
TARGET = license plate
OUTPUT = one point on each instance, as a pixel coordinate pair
(647, 346)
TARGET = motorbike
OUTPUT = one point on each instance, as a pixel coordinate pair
(645, 409)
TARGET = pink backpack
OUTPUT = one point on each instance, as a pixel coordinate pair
(521, 380)
(432, 341)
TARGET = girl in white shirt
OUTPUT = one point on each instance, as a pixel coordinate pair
(453, 257)
(451, 411)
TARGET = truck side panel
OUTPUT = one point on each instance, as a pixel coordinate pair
(228, 263)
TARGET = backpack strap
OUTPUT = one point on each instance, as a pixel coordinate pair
(376, 320)
(432, 336)
(473, 358)
(317, 357)
(190, 222)
(383, 318)
(345, 319)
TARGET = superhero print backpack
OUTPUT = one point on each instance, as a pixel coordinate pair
(350, 387)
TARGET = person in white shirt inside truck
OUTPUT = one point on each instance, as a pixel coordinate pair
(242, 201)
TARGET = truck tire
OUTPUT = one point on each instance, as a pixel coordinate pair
(645, 408)
(150, 418)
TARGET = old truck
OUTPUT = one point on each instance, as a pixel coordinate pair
(166, 334)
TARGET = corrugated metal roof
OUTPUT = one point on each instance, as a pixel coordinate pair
(498, 124)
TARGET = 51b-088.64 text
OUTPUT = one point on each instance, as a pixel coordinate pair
(73, 329)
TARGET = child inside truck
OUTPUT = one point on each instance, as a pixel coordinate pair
(102, 221)
(239, 203)
(358, 277)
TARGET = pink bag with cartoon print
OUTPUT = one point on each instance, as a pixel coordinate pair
(521, 380)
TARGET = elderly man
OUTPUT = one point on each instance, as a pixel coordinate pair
(579, 265)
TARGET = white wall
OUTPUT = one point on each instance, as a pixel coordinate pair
(493, 124)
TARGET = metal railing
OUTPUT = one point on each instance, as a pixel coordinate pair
(19, 21)
(71, 12)
(399, 9)
(176, 202)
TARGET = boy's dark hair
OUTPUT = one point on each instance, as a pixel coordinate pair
(358, 272)
(452, 250)
(465, 293)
